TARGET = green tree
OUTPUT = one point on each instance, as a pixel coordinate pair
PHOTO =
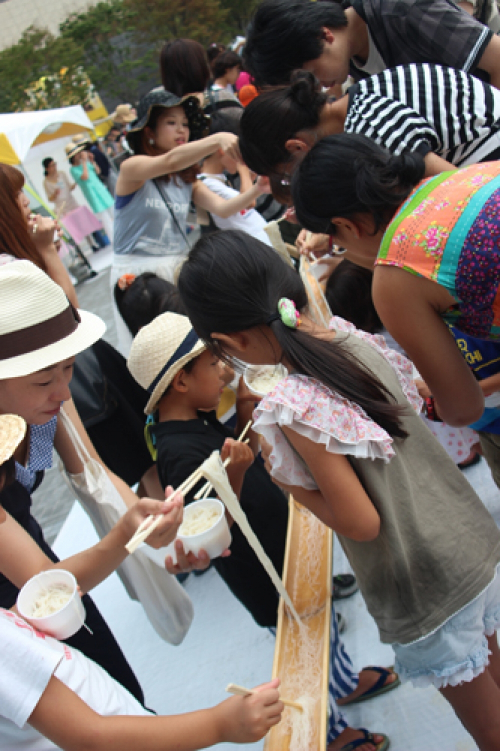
(118, 59)
(238, 15)
(41, 72)
(202, 20)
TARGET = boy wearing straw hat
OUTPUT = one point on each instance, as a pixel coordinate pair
(185, 383)
(52, 695)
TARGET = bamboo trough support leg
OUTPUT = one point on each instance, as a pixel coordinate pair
(310, 589)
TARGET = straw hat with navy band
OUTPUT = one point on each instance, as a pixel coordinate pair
(159, 351)
(38, 325)
(72, 149)
(159, 97)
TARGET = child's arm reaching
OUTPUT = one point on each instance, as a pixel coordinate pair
(246, 179)
(208, 200)
(72, 725)
(242, 457)
(341, 501)
(135, 171)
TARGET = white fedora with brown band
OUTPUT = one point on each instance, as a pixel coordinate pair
(38, 325)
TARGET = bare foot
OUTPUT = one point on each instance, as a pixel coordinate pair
(367, 679)
(351, 734)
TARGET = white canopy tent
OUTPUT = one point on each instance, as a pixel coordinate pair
(27, 137)
(19, 131)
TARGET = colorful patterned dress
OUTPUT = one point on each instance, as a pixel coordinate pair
(448, 231)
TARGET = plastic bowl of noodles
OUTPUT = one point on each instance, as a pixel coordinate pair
(204, 527)
(261, 379)
(50, 602)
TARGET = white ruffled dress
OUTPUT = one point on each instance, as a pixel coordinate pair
(309, 408)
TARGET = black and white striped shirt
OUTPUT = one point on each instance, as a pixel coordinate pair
(423, 107)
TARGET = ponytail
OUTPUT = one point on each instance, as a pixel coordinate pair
(232, 282)
(347, 174)
(276, 115)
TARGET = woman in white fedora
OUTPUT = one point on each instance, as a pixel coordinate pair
(52, 696)
(40, 334)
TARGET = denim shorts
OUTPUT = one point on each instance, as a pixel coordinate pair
(458, 651)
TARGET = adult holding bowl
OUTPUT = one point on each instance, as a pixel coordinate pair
(40, 334)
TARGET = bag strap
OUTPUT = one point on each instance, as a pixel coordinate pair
(79, 446)
(172, 214)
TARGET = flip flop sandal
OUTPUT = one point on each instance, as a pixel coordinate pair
(368, 738)
(378, 688)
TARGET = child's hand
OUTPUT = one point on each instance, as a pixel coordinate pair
(291, 216)
(315, 243)
(228, 143)
(244, 395)
(245, 405)
(242, 458)
(423, 388)
(166, 531)
(240, 454)
(227, 373)
(246, 719)
(187, 562)
(263, 184)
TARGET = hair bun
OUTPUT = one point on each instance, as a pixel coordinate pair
(305, 89)
(407, 167)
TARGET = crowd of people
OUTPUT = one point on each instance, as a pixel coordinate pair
(373, 132)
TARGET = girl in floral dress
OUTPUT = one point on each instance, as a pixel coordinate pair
(345, 438)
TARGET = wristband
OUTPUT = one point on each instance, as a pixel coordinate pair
(430, 409)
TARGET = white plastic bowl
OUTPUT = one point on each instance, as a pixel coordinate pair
(275, 373)
(213, 540)
(64, 622)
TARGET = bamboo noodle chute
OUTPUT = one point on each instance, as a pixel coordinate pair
(302, 655)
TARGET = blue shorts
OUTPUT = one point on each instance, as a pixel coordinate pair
(458, 651)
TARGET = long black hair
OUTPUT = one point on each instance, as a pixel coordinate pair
(345, 175)
(232, 282)
(277, 115)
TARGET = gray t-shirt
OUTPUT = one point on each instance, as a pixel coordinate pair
(438, 546)
(144, 224)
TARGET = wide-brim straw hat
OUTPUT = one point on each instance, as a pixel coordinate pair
(38, 325)
(159, 351)
(159, 97)
(123, 114)
(12, 430)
